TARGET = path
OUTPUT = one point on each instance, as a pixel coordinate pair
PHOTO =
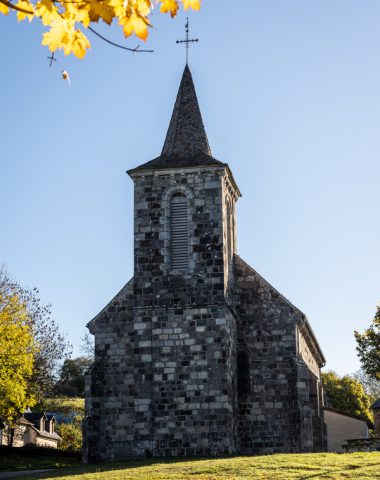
(20, 474)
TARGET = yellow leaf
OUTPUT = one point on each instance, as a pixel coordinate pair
(142, 7)
(134, 24)
(101, 10)
(63, 34)
(4, 9)
(120, 9)
(26, 5)
(57, 36)
(47, 11)
(169, 6)
(77, 13)
(194, 4)
(80, 44)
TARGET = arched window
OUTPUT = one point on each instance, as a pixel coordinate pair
(243, 374)
(179, 232)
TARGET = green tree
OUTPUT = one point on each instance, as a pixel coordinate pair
(71, 377)
(346, 394)
(71, 435)
(18, 349)
(371, 385)
(52, 345)
(368, 347)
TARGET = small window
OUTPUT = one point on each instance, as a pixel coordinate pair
(243, 374)
(179, 232)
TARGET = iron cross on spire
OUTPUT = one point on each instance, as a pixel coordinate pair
(187, 40)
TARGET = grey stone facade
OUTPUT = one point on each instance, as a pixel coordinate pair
(207, 361)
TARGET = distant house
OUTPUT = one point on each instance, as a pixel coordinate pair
(64, 418)
(36, 429)
(342, 426)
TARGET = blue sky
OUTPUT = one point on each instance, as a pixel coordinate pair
(290, 95)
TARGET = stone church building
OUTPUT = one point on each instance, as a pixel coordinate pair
(197, 354)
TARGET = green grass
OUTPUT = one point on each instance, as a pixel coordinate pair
(61, 404)
(358, 466)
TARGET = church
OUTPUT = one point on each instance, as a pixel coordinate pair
(197, 354)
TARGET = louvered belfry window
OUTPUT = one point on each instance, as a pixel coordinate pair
(179, 233)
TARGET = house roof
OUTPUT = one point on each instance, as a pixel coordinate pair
(34, 416)
(63, 417)
(376, 405)
(43, 433)
(186, 143)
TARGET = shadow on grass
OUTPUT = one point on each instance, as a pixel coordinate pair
(129, 466)
(108, 467)
(334, 472)
(31, 458)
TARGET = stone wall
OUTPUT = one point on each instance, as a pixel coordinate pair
(164, 377)
(166, 380)
(275, 414)
(163, 384)
(376, 422)
(155, 283)
(307, 356)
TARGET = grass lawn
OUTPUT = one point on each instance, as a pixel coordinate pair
(358, 466)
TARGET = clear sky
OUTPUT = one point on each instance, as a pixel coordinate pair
(290, 96)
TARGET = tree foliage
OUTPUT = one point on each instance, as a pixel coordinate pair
(87, 346)
(71, 377)
(71, 435)
(346, 394)
(66, 19)
(368, 347)
(371, 385)
(18, 349)
(52, 346)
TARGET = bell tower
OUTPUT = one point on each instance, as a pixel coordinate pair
(184, 224)
(184, 241)
(166, 348)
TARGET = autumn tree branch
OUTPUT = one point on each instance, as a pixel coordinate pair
(14, 7)
(31, 12)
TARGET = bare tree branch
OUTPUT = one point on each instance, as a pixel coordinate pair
(136, 50)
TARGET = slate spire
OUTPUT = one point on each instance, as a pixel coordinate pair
(186, 135)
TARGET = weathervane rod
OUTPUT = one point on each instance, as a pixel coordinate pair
(187, 40)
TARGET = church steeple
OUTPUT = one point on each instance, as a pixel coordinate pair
(186, 143)
(186, 135)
